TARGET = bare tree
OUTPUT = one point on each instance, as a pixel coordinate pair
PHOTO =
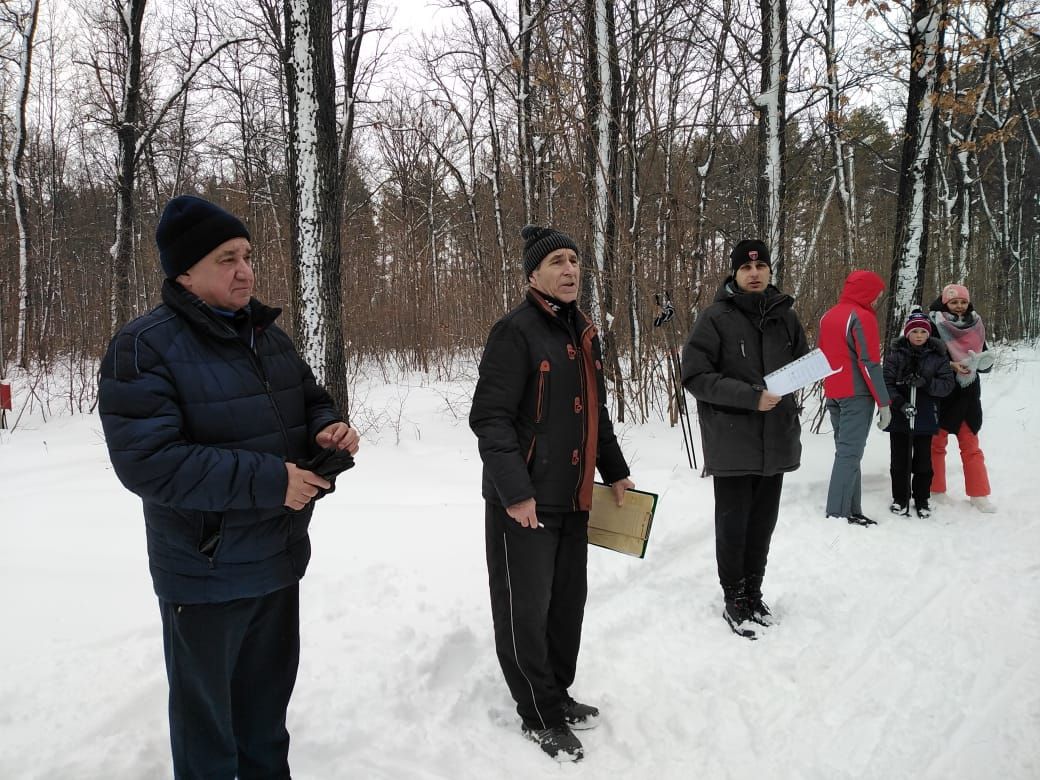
(24, 23)
(841, 156)
(118, 66)
(925, 31)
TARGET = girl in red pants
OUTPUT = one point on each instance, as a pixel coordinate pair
(960, 413)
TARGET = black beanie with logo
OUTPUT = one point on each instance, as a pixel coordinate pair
(749, 250)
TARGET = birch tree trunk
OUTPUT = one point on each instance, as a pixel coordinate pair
(632, 200)
(26, 26)
(316, 193)
(602, 82)
(772, 121)
(917, 171)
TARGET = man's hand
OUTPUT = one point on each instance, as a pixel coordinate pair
(618, 489)
(303, 486)
(339, 436)
(768, 401)
(884, 417)
(524, 513)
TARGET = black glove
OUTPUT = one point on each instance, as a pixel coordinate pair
(908, 410)
(328, 464)
(918, 381)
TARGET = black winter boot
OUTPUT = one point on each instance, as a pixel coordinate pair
(760, 612)
(737, 612)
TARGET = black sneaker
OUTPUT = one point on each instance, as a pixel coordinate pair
(898, 509)
(578, 716)
(861, 519)
(738, 616)
(923, 510)
(558, 742)
(760, 613)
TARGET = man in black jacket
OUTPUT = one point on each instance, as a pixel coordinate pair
(540, 416)
(207, 409)
(751, 436)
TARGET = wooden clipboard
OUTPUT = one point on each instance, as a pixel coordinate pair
(624, 529)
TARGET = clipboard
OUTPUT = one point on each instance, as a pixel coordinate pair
(623, 529)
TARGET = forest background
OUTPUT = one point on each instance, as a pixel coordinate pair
(385, 157)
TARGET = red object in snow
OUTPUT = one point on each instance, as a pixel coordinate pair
(5, 395)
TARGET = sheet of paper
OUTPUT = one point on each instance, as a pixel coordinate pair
(799, 373)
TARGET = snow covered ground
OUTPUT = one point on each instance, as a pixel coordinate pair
(907, 650)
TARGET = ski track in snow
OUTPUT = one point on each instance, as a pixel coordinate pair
(905, 650)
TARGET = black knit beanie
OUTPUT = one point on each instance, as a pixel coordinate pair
(189, 229)
(541, 241)
(749, 250)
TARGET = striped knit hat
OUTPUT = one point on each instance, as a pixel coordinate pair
(917, 319)
(541, 241)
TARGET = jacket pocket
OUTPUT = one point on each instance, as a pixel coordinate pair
(538, 460)
(211, 534)
(542, 400)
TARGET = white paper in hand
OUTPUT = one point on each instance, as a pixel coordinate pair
(799, 373)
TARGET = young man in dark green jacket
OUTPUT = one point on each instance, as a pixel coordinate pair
(751, 436)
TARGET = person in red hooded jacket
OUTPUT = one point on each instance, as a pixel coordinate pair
(849, 338)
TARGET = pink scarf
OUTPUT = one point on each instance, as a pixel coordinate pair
(960, 336)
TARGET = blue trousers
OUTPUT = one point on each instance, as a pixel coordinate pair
(231, 668)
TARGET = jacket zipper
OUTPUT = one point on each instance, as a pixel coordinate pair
(270, 397)
(581, 357)
(278, 416)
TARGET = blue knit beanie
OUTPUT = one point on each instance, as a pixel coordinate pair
(189, 229)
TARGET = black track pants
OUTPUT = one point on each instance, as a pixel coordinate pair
(538, 587)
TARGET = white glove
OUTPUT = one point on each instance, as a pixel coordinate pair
(979, 362)
(884, 417)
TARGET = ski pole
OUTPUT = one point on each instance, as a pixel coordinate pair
(666, 314)
(911, 418)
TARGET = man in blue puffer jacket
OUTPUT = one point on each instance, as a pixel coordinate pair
(207, 408)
